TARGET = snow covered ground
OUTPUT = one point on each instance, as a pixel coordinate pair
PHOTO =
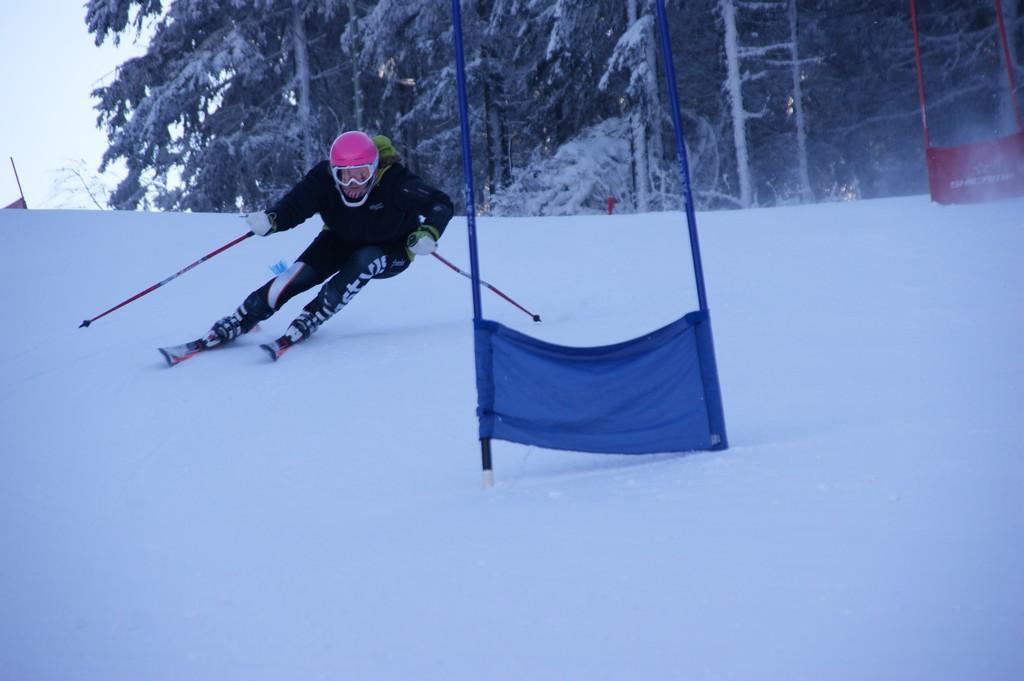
(323, 517)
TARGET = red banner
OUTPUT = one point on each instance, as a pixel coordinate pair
(980, 171)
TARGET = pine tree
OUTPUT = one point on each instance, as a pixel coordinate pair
(229, 105)
(636, 55)
(781, 100)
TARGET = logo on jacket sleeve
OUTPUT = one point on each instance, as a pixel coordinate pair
(376, 206)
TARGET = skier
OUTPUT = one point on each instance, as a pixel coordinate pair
(377, 217)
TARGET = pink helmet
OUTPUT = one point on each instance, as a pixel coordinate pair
(354, 161)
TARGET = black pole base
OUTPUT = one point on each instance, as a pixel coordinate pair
(485, 456)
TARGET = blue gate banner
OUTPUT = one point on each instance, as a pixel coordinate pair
(655, 393)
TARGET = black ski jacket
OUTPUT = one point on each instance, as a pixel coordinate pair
(392, 211)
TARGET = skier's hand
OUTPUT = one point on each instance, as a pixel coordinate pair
(260, 223)
(423, 241)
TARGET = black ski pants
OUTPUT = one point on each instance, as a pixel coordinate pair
(352, 266)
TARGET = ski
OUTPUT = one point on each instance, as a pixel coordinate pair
(278, 347)
(176, 354)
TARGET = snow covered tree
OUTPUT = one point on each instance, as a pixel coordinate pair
(964, 70)
(538, 80)
(551, 98)
(408, 85)
(734, 91)
(636, 54)
(230, 103)
(781, 100)
(350, 40)
(764, 91)
(577, 178)
(796, 106)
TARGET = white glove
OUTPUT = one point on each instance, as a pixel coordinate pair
(260, 223)
(423, 241)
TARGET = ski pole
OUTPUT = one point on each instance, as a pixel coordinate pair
(535, 317)
(154, 287)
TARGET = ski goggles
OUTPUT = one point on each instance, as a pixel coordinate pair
(347, 176)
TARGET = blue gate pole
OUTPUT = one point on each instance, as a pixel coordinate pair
(467, 157)
(467, 171)
(684, 164)
(706, 344)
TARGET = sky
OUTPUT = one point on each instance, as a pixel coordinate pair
(50, 66)
(323, 516)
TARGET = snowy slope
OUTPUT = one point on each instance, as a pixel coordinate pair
(323, 517)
